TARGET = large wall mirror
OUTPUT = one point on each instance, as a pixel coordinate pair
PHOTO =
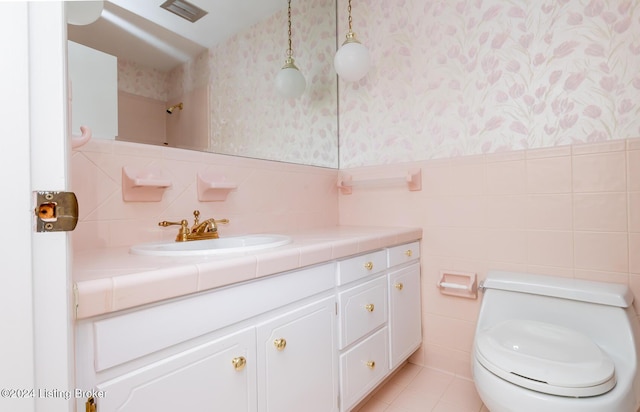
(222, 70)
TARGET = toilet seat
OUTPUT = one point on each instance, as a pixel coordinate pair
(546, 358)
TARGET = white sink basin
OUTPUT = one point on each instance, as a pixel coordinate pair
(211, 247)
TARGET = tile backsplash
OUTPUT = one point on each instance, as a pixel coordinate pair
(270, 197)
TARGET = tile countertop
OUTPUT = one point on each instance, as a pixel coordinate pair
(108, 280)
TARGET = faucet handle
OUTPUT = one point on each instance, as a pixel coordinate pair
(165, 223)
(182, 233)
(221, 221)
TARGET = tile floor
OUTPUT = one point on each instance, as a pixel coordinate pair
(417, 389)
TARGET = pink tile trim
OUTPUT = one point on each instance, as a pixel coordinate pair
(94, 297)
(509, 156)
(275, 262)
(546, 152)
(316, 253)
(223, 272)
(603, 147)
(140, 288)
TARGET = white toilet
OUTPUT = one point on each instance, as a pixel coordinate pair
(554, 344)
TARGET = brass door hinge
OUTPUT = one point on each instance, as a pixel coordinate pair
(56, 211)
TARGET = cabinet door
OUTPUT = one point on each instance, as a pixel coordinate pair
(405, 320)
(297, 360)
(200, 378)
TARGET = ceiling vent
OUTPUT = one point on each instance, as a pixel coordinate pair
(184, 9)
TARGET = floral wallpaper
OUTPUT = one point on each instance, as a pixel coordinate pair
(188, 77)
(246, 115)
(448, 79)
(142, 81)
(455, 78)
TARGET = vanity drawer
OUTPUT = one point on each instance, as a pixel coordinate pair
(361, 266)
(362, 309)
(363, 367)
(408, 252)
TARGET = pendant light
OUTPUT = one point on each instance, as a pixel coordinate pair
(352, 58)
(289, 81)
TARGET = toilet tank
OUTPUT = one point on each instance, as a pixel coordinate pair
(566, 288)
(599, 310)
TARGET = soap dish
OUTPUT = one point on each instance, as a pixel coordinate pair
(213, 188)
(143, 184)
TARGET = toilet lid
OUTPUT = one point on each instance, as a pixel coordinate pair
(546, 358)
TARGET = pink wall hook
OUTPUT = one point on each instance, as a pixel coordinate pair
(77, 141)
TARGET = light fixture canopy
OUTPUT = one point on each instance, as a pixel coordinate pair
(290, 82)
(352, 59)
(81, 13)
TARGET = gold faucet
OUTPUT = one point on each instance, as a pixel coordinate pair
(199, 231)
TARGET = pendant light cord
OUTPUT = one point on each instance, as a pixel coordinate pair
(290, 83)
(290, 50)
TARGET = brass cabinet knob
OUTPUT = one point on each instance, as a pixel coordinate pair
(368, 265)
(280, 344)
(369, 307)
(239, 363)
(371, 364)
(399, 286)
(409, 253)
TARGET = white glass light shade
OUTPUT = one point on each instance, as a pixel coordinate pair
(290, 82)
(352, 61)
(81, 13)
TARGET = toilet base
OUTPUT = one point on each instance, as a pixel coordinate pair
(499, 395)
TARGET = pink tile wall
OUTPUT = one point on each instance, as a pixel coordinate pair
(189, 128)
(141, 119)
(566, 211)
(271, 196)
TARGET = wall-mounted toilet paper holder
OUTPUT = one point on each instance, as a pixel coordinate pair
(462, 284)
